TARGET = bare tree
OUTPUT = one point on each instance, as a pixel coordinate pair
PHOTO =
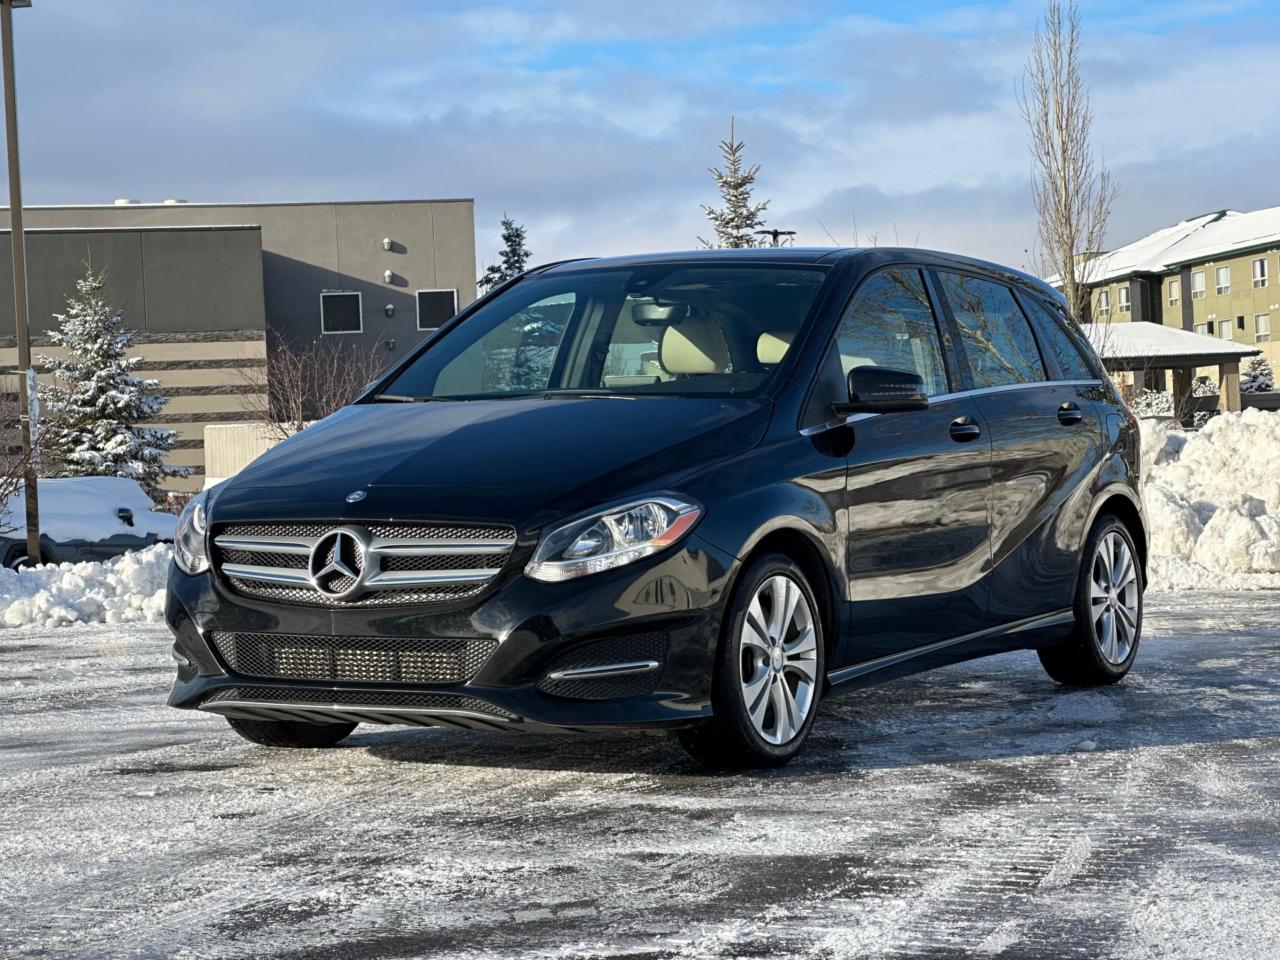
(1072, 193)
(305, 382)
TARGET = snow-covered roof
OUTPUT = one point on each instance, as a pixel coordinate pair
(1205, 237)
(1138, 340)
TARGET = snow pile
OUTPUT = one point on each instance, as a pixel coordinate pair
(127, 589)
(1213, 502)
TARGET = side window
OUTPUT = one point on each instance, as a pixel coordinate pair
(997, 339)
(1058, 342)
(891, 324)
(515, 356)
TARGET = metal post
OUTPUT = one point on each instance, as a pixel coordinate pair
(18, 245)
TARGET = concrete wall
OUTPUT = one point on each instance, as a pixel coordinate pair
(308, 248)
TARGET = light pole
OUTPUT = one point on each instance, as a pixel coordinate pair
(26, 377)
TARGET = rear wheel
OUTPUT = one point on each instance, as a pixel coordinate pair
(769, 672)
(291, 733)
(1108, 609)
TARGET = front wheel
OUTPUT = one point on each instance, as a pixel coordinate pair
(1108, 610)
(291, 733)
(769, 672)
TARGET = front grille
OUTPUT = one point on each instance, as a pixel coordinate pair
(356, 698)
(372, 564)
(353, 659)
(633, 648)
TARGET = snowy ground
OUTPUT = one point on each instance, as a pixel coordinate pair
(977, 810)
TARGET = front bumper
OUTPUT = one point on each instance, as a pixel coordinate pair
(662, 613)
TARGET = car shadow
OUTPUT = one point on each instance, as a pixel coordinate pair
(994, 709)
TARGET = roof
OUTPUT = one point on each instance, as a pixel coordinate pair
(1206, 237)
(874, 256)
(232, 203)
(1138, 344)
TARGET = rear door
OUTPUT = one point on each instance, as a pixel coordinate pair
(1045, 443)
(918, 544)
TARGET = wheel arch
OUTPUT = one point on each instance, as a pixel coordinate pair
(1120, 503)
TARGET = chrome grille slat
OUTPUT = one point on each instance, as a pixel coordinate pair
(402, 562)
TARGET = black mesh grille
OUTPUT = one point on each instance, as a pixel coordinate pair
(453, 561)
(293, 561)
(187, 671)
(353, 659)
(356, 698)
(318, 528)
(627, 649)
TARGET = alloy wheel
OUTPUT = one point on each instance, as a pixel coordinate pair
(778, 659)
(1113, 598)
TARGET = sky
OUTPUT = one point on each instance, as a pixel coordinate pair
(593, 122)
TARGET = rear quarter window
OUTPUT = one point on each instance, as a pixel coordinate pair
(1057, 342)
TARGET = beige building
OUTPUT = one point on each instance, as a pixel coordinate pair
(1217, 275)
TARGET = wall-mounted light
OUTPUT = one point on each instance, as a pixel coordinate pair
(388, 276)
(386, 243)
(389, 343)
(389, 309)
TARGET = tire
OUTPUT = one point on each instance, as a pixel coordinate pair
(769, 672)
(1108, 624)
(291, 733)
(19, 560)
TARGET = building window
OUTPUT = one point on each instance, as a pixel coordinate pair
(1222, 280)
(1225, 329)
(1202, 328)
(1104, 302)
(1262, 328)
(1175, 292)
(340, 312)
(1260, 273)
(435, 307)
(1197, 285)
(1124, 299)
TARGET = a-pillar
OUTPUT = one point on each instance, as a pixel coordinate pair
(1182, 411)
(1229, 387)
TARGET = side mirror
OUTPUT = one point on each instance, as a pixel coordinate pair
(883, 390)
(125, 516)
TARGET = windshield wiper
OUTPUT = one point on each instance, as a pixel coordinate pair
(400, 398)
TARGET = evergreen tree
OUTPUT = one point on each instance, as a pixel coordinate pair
(735, 223)
(515, 256)
(1258, 377)
(93, 407)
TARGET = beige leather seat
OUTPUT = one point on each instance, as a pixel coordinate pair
(695, 346)
(772, 345)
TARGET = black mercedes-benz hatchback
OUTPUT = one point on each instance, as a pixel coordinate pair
(689, 491)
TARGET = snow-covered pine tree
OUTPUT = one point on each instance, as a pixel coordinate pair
(1258, 377)
(515, 256)
(94, 405)
(735, 223)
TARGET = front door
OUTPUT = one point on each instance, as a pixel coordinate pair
(918, 545)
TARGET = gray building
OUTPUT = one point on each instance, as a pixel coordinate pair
(209, 287)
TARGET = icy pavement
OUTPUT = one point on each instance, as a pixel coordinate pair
(978, 810)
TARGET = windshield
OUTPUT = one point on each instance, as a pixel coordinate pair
(652, 330)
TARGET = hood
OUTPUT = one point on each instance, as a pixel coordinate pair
(497, 460)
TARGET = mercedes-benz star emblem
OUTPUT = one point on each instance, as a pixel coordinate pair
(355, 496)
(337, 565)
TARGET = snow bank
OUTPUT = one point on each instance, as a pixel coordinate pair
(1213, 502)
(127, 589)
(84, 508)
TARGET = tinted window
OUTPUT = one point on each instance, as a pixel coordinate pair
(668, 329)
(997, 339)
(340, 313)
(1058, 342)
(891, 324)
(435, 307)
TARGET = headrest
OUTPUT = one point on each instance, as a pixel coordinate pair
(695, 346)
(773, 344)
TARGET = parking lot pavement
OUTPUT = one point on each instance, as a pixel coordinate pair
(976, 810)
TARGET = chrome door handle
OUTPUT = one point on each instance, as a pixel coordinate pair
(964, 429)
(1069, 413)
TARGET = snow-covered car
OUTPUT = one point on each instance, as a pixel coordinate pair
(84, 518)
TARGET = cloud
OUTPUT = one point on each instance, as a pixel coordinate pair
(593, 123)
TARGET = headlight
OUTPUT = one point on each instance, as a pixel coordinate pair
(612, 538)
(188, 541)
